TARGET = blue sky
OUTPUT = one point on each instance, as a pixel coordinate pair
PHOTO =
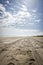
(21, 17)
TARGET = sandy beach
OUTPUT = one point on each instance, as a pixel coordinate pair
(21, 51)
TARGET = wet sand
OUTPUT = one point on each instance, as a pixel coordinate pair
(21, 51)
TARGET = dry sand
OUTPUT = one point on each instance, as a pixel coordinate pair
(21, 51)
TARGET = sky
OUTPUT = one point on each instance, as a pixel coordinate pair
(21, 17)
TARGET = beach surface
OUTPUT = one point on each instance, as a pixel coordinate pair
(21, 50)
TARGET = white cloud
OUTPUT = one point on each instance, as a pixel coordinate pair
(37, 20)
(24, 8)
(23, 14)
(6, 17)
(2, 8)
(34, 11)
(7, 1)
(20, 32)
(20, 17)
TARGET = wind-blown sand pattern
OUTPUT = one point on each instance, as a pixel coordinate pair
(21, 51)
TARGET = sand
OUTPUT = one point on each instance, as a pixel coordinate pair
(21, 51)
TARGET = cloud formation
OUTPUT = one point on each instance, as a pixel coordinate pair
(20, 32)
(8, 18)
(20, 14)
